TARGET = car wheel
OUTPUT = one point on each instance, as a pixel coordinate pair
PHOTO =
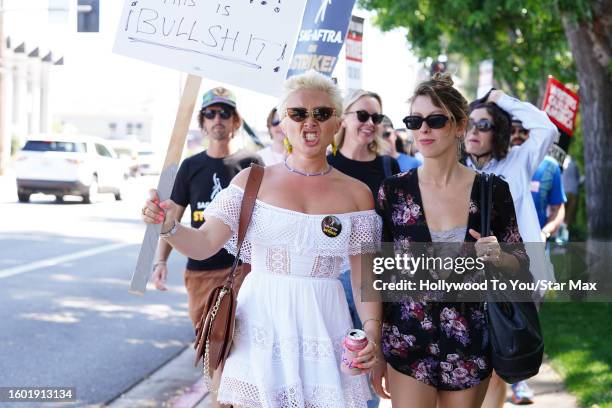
(23, 197)
(118, 195)
(59, 198)
(92, 193)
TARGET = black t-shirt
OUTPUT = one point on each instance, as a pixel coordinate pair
(371, 172)
(198, 181)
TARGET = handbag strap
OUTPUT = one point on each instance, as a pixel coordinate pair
(387, 166)
(486, 203)
(246, 211)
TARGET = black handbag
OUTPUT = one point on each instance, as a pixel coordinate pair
(517, 346)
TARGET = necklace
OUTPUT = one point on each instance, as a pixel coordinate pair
(320, 173)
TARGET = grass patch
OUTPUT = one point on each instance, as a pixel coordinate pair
(578, 341)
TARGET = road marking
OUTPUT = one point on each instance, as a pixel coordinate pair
(45, 263)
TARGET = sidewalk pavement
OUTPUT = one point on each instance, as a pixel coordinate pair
(178, 384)
(8, 186)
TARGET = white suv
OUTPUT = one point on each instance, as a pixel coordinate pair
(68, 165)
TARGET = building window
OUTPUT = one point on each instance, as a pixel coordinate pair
(88, 16)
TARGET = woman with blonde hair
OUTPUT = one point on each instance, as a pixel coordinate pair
(358, 152)
(292, 314)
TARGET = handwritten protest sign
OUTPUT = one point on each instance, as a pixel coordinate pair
(248, 43)
(561, 105)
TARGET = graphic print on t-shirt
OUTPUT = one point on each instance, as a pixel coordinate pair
(198, 215)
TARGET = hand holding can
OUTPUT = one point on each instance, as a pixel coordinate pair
(354, 341)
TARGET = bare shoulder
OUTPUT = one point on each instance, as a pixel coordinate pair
(360, 192)
(241, 178)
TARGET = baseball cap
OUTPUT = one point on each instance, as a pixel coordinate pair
(219, 95)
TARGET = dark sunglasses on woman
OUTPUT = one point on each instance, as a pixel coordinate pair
(435, 121)
(211, 113)
(483, 125)
(363, 116)
(320, 113)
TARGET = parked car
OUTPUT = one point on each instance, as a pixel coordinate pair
(127, 151)
(149, 163)
(68, 165)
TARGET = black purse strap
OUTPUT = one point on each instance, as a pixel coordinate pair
(486, 203)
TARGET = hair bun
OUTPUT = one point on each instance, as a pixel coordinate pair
(443, 78)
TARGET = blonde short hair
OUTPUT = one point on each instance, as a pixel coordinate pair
(310, 81)
(376, 146)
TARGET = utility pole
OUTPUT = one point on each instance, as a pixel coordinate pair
(2, 76)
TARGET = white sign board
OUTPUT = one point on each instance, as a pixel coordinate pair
(248, 43)
(354, 53)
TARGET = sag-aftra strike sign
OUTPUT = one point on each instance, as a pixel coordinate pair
(248, 43)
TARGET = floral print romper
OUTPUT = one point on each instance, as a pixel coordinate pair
(442, 344)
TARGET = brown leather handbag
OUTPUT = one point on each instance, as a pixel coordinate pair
(215, 331)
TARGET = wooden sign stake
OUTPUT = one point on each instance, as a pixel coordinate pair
(144, 266)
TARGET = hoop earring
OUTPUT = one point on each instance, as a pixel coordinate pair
(334, 148)
(287, 144)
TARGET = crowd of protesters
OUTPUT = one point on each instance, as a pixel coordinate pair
(340, 164)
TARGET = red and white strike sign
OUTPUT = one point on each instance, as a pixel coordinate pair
(561, 105)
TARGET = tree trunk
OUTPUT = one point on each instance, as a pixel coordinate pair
(591, 45)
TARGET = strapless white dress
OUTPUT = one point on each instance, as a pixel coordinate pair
(292, 312)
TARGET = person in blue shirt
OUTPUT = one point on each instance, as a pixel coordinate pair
(549, 196)
(396, 147)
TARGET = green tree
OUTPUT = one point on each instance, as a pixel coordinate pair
(528, 40)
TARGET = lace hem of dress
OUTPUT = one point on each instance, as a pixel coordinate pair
(236, 392)
(308, 348)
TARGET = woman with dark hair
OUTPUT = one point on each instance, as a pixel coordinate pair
(437, 349)
(275, 153)
(487, 146)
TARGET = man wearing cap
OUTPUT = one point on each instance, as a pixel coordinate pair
(199, 179)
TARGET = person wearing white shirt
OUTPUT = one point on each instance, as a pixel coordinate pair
(487, 146)
(275, 153)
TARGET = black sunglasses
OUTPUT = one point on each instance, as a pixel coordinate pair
(363, 116)
(435, 121)
(211, 113)
(483, 125)
(320, 113)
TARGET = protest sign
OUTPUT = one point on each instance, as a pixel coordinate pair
(324, 28)
(354, 53)
(561, 105)
(246, 43)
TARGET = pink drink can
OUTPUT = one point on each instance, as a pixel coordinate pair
(354, 341)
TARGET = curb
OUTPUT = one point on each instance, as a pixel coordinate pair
(175, 384)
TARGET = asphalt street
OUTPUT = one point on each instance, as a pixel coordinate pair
(66, 317)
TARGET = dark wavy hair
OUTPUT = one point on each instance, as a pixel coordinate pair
(502, 127)
(443, 95)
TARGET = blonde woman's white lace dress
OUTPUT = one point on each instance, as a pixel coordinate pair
(292, 312)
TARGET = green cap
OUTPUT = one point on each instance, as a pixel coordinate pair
(219, 95)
